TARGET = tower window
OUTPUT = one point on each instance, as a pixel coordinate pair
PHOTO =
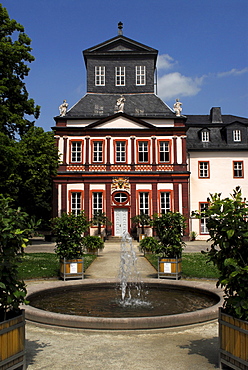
(140, 75)
(120, 76)
(99, 76)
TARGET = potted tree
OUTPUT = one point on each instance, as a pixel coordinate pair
(93, 243)
(148, 245)
(16, 228)
(227, 223)
(141, 220)
(101, 220)
(169, 228)
(69, 232)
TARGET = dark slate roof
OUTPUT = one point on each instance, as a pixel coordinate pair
(220, 132)
(103, 105)
(205, 120)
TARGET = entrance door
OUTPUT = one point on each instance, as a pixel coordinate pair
(121, 221)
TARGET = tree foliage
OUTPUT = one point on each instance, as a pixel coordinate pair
(16, 227)
(15, 104)
(26, 170)
(227, 223)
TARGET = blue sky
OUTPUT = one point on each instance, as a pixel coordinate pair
(202, 44)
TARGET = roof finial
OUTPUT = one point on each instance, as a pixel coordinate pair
(120, 26)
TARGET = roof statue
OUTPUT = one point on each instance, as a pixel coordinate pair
(178, 108)
(119, 108)
(63, 108)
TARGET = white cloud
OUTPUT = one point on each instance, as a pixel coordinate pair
(233, 72)
(175, 85)
(165, 61)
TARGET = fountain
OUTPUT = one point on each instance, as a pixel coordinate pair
(127, 303)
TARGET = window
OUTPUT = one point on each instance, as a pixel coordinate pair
(97, 151)
(238, 169)
(120, 151)
(120, 76)
(144, 203)
(203, 169)
(164, 151)
(165, 202)
(120, 197)
(97, 202)
(205, 136)
(140, 75)
(203, 220)
(76, 151)
(76, 202)
(99, 76)
(143, 151)
(236, 135)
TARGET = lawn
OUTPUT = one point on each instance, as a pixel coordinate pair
(194, 265)
(44, 265)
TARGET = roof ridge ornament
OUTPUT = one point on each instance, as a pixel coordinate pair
(120, 27)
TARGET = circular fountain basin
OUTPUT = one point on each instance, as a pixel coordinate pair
(137, 321)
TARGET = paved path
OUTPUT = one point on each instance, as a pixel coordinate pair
(184, 348)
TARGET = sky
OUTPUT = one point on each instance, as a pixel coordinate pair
(202, 45)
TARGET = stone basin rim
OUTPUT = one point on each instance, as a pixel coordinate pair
(134, 323)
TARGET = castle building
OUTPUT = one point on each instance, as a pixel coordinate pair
(125, 152)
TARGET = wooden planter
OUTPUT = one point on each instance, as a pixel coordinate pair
(233, 335)
(93, 251)
(72, 269)
(169, 268)
(12, 343)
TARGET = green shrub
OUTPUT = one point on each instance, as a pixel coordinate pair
(93, 242)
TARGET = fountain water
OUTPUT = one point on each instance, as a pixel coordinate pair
(129, 276)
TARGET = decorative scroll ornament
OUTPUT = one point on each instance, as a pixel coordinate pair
(120, 183)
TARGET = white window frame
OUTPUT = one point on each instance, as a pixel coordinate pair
(98, 151)
(76, 151)
(238, 169)
(144, 203)
(203, 169)
(97, 202)
(99, 75)
(164, 151)
(140, 75)
(165, 202)
(76, 202)
(143, 151)
(203, 220)
(205, 136)
(120, 76)
(120, 151)
(236, 135)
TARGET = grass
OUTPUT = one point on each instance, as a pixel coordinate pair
(44, 265)
(194, 265)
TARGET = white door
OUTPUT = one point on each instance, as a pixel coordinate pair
(121, 221)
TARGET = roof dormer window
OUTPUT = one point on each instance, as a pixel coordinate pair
(205, 136)
(236, 135)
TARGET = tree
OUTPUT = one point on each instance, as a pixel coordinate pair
(15, 104)
(26, 171)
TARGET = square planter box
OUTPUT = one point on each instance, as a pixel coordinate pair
(169, 268)
(233, 335)
(12, 343)
(72, 269)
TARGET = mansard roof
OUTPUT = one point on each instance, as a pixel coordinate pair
(220, 131)
(104, 105)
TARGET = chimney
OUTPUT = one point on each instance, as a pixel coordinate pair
(120, 26)
(215, 115)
